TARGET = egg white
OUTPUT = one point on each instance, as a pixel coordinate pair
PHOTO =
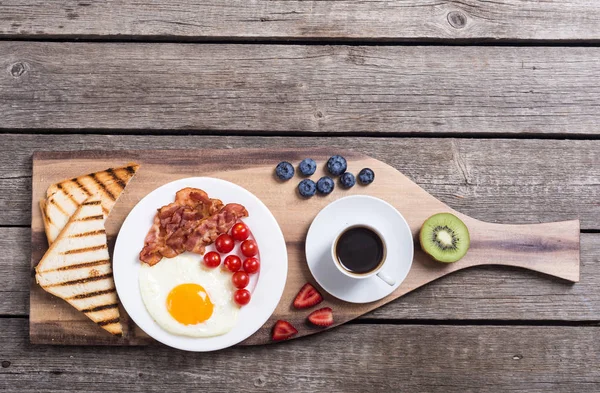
(157, 281)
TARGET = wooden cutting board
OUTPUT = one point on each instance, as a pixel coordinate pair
(551, 248)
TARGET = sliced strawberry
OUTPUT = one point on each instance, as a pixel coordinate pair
(307, 297)
(283, 330)
(322, 317)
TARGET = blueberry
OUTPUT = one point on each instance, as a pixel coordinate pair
(347, 179)
(307, 167)
(336, 165)
(325, 185)
(366, 176)
(284, 170)
(307, 188)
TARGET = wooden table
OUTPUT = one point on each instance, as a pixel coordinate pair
(491, 106)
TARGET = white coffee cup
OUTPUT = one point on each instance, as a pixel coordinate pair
(375, 271)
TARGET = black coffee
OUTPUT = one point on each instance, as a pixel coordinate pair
(360, 250)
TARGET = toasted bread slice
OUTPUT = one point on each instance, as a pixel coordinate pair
(77, 267)
(45, 220)
(62, 199)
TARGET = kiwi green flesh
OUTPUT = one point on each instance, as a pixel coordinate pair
(445, 237)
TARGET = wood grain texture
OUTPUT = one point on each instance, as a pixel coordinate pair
(509, 181)
(15, 270)
(517, 294)
(269, 88)
(397, 20)
(494, 180)
(551, 248)
(353, 359)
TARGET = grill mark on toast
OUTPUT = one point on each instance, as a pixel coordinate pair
(130, 169)
(78, 266)
(68, 194)
(91, 294)
(59, 207)
(86, 249)
(90, 233)
(100, 308)
(116, 178)
(81, 186)
(102, 186)
(90, 218)
(108, 322)
(80, 281)
(92, 203)
(43, 206)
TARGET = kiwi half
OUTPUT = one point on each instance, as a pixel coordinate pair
(445, 237)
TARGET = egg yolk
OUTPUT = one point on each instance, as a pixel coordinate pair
(189, 304)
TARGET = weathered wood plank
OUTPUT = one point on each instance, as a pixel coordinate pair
(389, 89)
(495, 180)
(399, 20)
(517, 294)
(351, 358)
(15, 270)
(500, 172)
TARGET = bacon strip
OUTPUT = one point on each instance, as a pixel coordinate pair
(190, 223)
(154, 243)
(208, 230)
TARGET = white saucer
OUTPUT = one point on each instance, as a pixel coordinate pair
(352, 210)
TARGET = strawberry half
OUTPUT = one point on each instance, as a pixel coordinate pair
(283, 330)
(322, 317)
(307, 297)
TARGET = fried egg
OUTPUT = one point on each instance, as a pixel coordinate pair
(188, 299)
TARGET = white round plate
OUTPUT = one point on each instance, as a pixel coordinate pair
(269, 285)
(353, 210)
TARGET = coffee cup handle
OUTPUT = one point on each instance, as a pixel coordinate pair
(387, 279)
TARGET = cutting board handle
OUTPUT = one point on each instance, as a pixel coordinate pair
(550, 248)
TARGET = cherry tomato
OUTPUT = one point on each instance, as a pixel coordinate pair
(212, 259)
(242, 297)
(249, 248)
(251, 265)
(240, 279)
(224, 243)
(240, 232)
(233, 263)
